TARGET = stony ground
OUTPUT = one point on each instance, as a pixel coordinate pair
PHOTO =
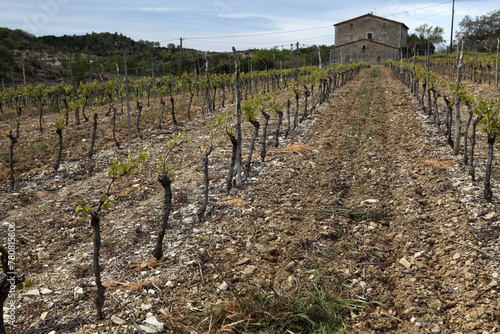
(365, 189)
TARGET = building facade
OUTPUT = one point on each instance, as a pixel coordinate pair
(369, 38)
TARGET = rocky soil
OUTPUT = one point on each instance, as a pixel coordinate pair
(366, 188)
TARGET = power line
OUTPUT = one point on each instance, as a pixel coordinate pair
(261, 34)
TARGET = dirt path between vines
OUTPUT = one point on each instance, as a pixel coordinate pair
(373, 197)
(363, 190)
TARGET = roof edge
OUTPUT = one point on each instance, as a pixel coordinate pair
(369, 41)
(372, 15)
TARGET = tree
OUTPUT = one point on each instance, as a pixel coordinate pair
(426, 33)
(430, 33)
(485, 28)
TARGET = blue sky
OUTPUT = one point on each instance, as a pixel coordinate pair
(217, 25)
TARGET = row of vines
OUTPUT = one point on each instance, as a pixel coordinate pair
(478, 67)
(229, 100)
(481, 111)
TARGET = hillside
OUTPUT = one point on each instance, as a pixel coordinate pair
(95, 52)
(99, 54)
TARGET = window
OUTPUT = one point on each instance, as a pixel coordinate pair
(370, 35)
(384, 25)
(364, 48)
(352, 25)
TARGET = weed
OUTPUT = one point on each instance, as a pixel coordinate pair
(6, 116)
(374, 74)
(4, 158)
(42, 146)
(108, 243)
(319, 305)
(366, 214)
(362, 91)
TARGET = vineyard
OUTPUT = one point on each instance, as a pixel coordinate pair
(309, 200)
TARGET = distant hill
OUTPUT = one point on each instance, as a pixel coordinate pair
(96, 55)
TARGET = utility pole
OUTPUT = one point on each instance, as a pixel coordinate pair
(451, 36)
(298, 64)
(180, 65)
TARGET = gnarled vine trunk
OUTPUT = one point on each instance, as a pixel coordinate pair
(58, 159)
(94, 133)
(472, 171)
(99, 299)
(488, 193)
(167, 205)
(263, 151)
(139, 112)
(13, 141)
(256, 126)
(277, 132)
(206, 179)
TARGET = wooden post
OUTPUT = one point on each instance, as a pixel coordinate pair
(180, 64)
(238, 119)
(128, 100)
(496, 63)
(297, 65)
(458, 120)
(319, 58)
(153, 76)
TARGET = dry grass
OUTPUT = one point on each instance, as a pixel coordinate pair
(293, 149)
(234, 201)
(439, 164)
(137, 267)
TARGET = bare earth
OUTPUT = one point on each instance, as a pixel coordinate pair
(365, 188)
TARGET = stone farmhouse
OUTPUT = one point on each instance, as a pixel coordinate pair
(369, 38)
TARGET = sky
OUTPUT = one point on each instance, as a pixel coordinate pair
(218, 25)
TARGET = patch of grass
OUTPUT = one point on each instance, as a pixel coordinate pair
(357, 122)
(375, 73)
(152, 115)
(42, 146)
(108, 243)
(25, 153)
(4, 158)
(361, 213)
(366, 214)
(7, 115)
(84, 134)
(362, 91)
(320, 304)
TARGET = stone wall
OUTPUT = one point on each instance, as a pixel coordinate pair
(371, 27)
(365, 50)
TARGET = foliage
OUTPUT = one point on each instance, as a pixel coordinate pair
(490, 109)
(424, 34)
(24, 285)
(177, 140)
(320, 305)
(484, 28)
(60, 123)
(120, 168)
(430, 33)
